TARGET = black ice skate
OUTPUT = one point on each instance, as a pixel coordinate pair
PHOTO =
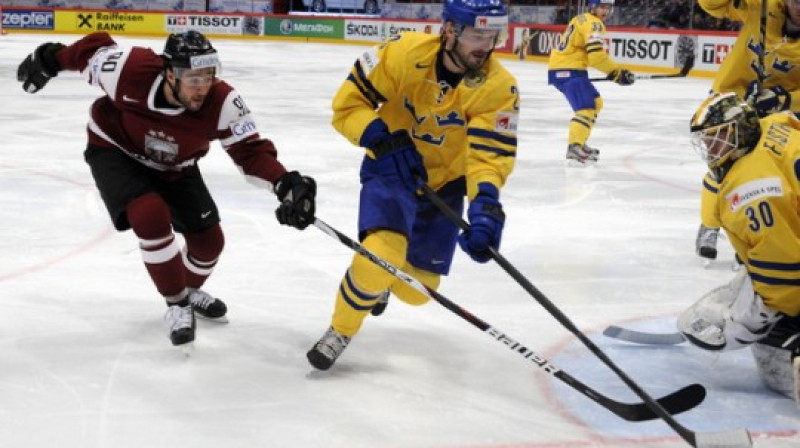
(582, 155)
(380, 305)
(208, 307)
(324, 353)
(180, 324)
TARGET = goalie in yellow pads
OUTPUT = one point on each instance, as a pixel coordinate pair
(756, 163)
(435, 109)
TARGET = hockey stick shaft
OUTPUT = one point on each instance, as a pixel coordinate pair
(762, 25)
(688, 64)
(678, 401)
(688, 435)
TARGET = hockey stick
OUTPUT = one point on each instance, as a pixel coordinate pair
(731, 438)
(687, 66)
(762, 70)
(679, 401)
(641, 337)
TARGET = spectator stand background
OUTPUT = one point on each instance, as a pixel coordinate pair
(628, 13)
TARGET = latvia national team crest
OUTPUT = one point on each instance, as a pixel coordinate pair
(160, 147)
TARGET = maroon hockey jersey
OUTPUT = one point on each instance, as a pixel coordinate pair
(166, 139)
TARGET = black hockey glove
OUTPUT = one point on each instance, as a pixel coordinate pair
(37, 69)
(398, 162)
(297, 194)
(486, 220)
(623, 77)
(768, 100)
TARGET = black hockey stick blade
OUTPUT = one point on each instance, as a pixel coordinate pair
(679, 401)
(687, 66)
(641, 337)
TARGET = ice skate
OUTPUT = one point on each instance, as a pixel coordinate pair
(180, 324)
(380, 305)
(706, 242)
(582, 155)
(207, 306)
(328, 349)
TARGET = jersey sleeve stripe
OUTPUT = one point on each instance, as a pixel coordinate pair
(776, 266)
(363, 91)
(493, 149)
(710, 187)
(483, 133)
(363, 80)
(775, 280)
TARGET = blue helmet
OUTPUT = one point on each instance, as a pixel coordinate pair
(592, 3)
(481, 14)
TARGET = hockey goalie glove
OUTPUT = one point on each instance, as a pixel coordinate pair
(397, 160)
(768, 100)
(297, 195)
(38, 67)
(623, 77)
(486, 220)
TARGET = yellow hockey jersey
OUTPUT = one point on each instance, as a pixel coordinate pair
(759, 207)
(469, 130)
(581, 46)
(782, 58)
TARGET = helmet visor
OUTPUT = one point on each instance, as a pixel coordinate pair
(715, 144)
(203, 77)
(498, 24)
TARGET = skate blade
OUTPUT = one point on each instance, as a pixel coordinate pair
(187, 349)
(216, 320)
(572, 163)
(796, 374)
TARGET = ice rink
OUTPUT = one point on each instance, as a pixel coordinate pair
(86, 362)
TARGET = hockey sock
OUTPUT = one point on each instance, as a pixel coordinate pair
(581, 126)
(364, 281)
(150, 220)
(201, 253)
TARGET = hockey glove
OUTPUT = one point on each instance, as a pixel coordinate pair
(398, 162)
(623, 77)
(768, 100)
(486, 219)
(37, 69)
(297, 194)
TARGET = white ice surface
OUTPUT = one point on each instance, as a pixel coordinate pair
(86, 362)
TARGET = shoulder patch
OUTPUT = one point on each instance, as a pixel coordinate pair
(369, 60)
(243, 127)
(506, 122)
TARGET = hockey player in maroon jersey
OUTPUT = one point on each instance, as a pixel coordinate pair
(157, 118)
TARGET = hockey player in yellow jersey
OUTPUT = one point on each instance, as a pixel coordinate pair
(581, 46)
(780, 89)
(435, 109)
(739, 73)
(756, 164)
